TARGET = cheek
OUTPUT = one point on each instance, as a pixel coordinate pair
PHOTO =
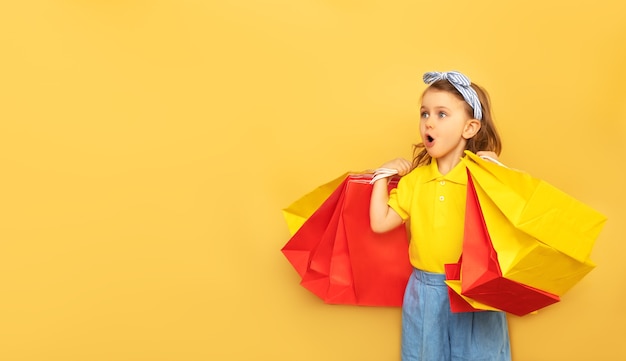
(422, 129)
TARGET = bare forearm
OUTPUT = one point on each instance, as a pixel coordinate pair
(382, 217)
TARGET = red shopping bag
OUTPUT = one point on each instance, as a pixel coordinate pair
(457, 302)
(480, 274)
(341, 260)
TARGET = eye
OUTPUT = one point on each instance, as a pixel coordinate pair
(424, 115)
(442, 115)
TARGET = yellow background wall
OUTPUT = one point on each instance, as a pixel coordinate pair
(148, 147)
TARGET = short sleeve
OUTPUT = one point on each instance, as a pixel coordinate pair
(397, 199)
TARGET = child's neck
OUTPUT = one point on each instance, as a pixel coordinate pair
(446, 164)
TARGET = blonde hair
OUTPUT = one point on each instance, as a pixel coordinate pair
(487, 137)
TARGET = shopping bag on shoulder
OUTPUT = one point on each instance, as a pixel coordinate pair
(553, 257)
(514, 256)
(538, 208)
(338, 256)
(482, 283)
(379, 262)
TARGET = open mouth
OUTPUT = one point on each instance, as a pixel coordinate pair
(429, 140)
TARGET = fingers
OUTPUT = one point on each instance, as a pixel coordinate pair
(402, 165)
(405, 167)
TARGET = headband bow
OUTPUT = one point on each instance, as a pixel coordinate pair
(462, 84)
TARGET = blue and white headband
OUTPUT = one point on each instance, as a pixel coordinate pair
(462, 84)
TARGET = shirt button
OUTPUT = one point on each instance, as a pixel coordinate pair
(442, 198)
(442, 182)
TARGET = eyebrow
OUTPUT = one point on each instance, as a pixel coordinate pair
(438, 107)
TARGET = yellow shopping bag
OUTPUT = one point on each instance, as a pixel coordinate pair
(538, 209)
(524, 259)
(476, 280)
(543, 237)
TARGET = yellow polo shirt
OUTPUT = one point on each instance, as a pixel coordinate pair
(434, 206)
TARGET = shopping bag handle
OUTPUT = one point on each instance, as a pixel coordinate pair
(380, 173)
(493, 160)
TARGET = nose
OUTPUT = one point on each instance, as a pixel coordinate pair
(429, 123)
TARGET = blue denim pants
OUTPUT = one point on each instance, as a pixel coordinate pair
(431, 332)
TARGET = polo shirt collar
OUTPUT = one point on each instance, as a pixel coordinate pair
(458, 174)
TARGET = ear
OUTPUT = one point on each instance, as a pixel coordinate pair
(472, 126)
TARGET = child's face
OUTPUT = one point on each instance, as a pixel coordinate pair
(445, 124)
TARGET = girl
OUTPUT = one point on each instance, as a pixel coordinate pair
(455, 116)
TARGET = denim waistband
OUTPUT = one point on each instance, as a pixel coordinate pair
(429, 278)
